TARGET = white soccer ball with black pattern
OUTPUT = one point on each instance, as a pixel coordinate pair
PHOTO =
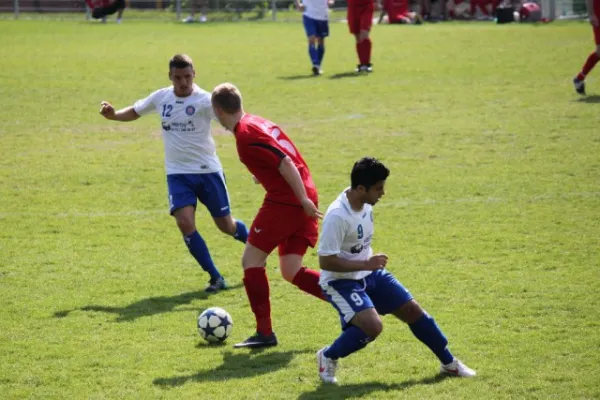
(215, 325)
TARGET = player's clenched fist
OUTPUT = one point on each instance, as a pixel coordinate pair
(107, 110)
(378, 261)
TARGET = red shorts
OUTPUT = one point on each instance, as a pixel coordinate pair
(360, 17)
(285, 227)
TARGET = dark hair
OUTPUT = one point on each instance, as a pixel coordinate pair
(227, 97)
(180, 61)
(367, 172)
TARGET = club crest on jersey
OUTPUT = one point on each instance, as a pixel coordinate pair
(357, 249)
(190, 110)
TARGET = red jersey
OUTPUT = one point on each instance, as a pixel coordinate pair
(396, 9)
(261, 146)
(359, 3)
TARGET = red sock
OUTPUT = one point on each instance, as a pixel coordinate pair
(308, 281)
(367, 50)
(588, 66)
(359, 52)
(257, 289)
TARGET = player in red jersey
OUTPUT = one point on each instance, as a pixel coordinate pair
(287, 219)
(360, 19)
(398, 12)
(593, 7)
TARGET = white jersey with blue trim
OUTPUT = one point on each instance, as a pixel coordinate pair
(189, 145)
(347, 234)
(316, 9)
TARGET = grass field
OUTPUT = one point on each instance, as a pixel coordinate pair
(491, 216)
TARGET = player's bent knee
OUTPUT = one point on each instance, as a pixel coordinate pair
(226, 224)
(369, 322)
(186, 225)
(287, 275)
(373, 328)
(289, 265)
(409, 312)
(312, 40)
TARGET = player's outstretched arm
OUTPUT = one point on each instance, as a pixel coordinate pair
(291, 175)
(334, 263)
(126, 114)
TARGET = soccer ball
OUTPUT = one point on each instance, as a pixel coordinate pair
(215, 324)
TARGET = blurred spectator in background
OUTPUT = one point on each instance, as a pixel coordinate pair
(100, 9)
(530, 12)
(427, 9)
(483, 9)
(193, 8)
(398, 12)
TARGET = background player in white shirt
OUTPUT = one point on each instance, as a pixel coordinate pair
(356, 283)
(316, 26)
(191, 162)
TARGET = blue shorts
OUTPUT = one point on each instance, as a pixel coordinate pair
(210, 189)
(315, 27)
(380, 290)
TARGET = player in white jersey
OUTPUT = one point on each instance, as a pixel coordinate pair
(191, 162)
(316, 26)
(356, 282)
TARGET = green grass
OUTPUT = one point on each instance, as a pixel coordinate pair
(491, 216)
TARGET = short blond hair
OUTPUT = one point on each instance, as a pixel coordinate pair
(181, 61)
(227, 97)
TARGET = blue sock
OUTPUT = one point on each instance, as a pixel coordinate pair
(197, 246)
(352, 339)
(313, 53)
(241, 232)
(428, 332)
(321, 52)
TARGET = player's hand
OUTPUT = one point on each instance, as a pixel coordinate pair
(378, 261)
(107, 110)
(300, 7)
(594, 20)
(310, 209)
(331, 3)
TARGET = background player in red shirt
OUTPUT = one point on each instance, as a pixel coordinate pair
(593, 7)
(398, 12)
(360, 19)
(288, 216)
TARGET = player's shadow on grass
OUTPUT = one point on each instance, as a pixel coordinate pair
(236, 366)
(590, 99)
(352, 74)
(145, 307)
(329, 391)
(297, 77)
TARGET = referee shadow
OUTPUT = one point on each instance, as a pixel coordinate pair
(594, 99)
